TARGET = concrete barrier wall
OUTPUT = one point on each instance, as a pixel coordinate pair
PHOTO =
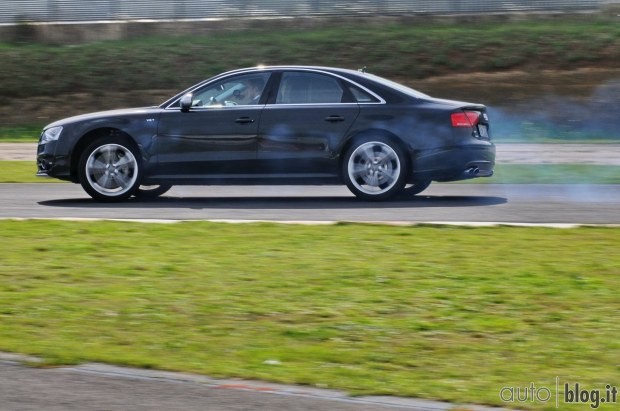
(77, 33)
(12, 11)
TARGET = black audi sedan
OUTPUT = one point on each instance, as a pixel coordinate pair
(274, 125)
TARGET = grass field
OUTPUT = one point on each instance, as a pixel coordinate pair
(435, 312)
(24, 172)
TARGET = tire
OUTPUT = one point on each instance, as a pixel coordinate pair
(110, 169)
(151, 191)
(414, 189)
(375, 168)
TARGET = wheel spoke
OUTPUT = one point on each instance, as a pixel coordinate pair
(371, 180)
(368, 153)
(104, 180)
(388, 175)
(107, 152)
(97, 165)
(121, 179)
(359, 169)
(385, 157)
(123, 161)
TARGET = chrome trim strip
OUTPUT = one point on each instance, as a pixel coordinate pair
(311, 104)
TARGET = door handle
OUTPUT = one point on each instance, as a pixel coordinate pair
(244, 120)
(334, 119)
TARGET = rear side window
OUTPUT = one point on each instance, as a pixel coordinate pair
(309, 88)
(362, 96)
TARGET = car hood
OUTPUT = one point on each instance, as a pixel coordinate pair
(105, 114)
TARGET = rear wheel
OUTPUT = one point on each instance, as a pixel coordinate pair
(375, 168)
(109, 169)
(411, 190)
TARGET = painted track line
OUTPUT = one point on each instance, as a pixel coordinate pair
(322, 222)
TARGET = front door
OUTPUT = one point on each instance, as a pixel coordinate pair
(217, 135)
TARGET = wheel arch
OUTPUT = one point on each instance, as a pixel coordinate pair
(375, 132)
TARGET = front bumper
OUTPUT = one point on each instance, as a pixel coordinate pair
(51, 165)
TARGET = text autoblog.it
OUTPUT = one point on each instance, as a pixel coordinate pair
(561, 393)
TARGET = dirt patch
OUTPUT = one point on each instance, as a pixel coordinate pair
(512, 88)
(44, 110)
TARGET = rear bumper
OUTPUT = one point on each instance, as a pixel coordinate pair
(454, 163)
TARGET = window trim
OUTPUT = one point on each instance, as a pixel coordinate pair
(380, 100)
(273, 85)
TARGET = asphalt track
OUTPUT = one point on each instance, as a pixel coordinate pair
(94, 386)
(449, 203)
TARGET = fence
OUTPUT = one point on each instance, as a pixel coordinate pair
(13, 11)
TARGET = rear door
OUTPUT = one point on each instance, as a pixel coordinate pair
(302, 128)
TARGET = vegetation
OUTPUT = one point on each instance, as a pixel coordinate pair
(400, 51)
(435, 312)
(20, 134)
(64, 80)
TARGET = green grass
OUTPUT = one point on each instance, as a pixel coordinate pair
(400, 51)
(21, 172)
(552, 174)
(24, 172)
(20, 134)
(434, 312)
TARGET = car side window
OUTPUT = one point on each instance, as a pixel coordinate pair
(362, 96)
(233, 91)
(309, 88)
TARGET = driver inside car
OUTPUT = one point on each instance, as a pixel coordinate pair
(251, 92)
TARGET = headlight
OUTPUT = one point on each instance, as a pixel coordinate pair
(51, 134)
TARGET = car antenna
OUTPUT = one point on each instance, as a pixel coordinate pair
(363, 70)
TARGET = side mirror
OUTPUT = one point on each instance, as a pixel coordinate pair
(186, 102)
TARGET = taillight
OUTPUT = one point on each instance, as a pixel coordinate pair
(465, 119)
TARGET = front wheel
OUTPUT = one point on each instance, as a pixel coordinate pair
(375, 168)
(152, 191)
(109, 169)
